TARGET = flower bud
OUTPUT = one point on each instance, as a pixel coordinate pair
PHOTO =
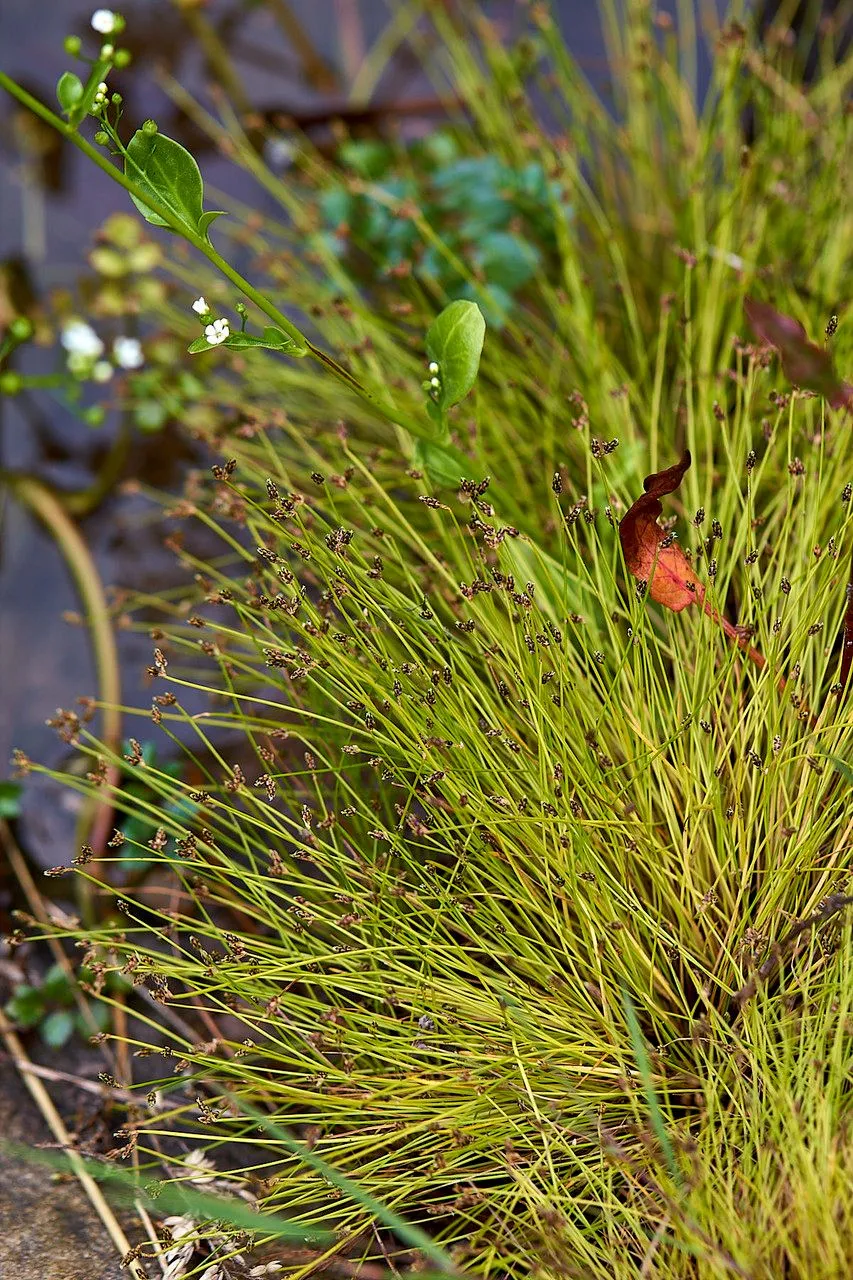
(150, 127)
(72, 46)
(21, 329)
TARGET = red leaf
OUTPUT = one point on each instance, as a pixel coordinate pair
(666, 569)
(671, 580)
(803, 363)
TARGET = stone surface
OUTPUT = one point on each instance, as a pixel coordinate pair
(48, 1231)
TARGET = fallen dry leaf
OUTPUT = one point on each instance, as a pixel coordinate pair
(661, 563)
(803, 363)
(665, 568)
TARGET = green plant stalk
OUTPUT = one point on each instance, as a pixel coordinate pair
(644, 1068)
(40, 381)
(412, 1235)
(199, 242)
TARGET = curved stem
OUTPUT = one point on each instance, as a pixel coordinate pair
(47, 507)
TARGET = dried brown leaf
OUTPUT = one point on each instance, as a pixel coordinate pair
(666, 569)
(803, 363)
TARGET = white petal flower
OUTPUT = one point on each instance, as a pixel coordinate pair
(217, 332)
(104, 21)
(127, 353)
(79, 338)
(200, 307)
(433, 367)
(102, 372)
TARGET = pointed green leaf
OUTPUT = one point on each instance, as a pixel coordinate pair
(271, 339)
(278, 341)
(166, 170)
(455, 342)
(69, 91)
(444, 464)
(206, 219)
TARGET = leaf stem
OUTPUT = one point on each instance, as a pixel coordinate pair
(200, 242)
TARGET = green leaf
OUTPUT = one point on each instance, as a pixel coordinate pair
(180, 1198)
(99, 1013)
(369, 157)
(445, 465)
(506, 259)
(162, 167)
(455, 341)
(10, 799)
(271, 339)
(206, 219)
(644, 1070)
(57, 1027)
(492, 299)
(56, 988)
(150, 415)
(69, 91)
(26, 1007)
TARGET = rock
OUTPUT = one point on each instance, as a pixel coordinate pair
(48, 1230)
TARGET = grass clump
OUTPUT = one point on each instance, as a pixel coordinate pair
(519, 898)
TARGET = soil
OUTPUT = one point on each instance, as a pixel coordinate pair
(48, 1229)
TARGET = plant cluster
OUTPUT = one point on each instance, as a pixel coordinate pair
(510, 884)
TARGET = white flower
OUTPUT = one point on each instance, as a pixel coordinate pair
(127, 353)
(104, 21)
(217, 332)
(80, 339)
(433, 367)
(200, 307)
(435, 382)
(203, 1169)
(102, 371)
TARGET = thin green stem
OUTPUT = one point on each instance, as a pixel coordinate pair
(200, 242)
